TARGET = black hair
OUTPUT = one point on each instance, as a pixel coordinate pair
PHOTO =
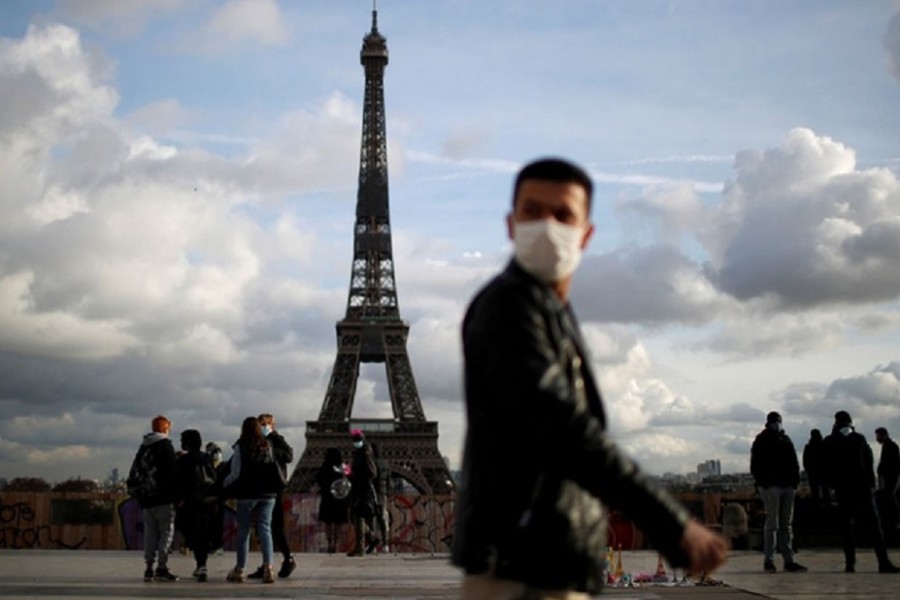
(557, 170)
(191, 440)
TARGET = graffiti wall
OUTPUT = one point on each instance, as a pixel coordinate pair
(50, 520)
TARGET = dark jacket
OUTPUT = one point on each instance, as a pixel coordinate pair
(164, 463)
(889, 461)
(773, 460)
(537, 461)
(195, 479)
(851, 464)
(363, 471)
(282, 452)
(253, 474)
(814, 458)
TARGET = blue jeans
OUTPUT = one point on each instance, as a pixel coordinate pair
(261, 508)
(779, 505)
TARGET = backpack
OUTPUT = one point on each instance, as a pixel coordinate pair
(203, 481)
(141, 482)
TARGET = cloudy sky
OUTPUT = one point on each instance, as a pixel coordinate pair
(178, 182)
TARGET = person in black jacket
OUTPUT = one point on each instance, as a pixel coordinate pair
(158, 508)
(888, 477)
(284, 454)
(333, 511)
(255, 481)
(538, 465)
(815, 467)
(363, 499)
(776, 471)
(852, 475)
(196, 478)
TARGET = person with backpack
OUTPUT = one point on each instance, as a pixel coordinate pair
(196, 478)
(255, 481)
(151, 481)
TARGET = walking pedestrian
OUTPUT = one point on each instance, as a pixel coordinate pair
(538, 466)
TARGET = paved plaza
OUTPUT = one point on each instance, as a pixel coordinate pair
(55, 574)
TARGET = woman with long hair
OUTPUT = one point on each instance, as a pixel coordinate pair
(255, 482)
(332, 510)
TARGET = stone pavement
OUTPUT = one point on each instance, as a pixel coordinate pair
(55, 574)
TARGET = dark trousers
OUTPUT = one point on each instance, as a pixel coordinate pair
(858, 507)
(279, 539)
(194, 523)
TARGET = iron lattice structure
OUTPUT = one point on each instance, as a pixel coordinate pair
(372, 330)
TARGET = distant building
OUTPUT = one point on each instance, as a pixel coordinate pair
(709, 468)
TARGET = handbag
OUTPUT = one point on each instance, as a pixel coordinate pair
(340, 488)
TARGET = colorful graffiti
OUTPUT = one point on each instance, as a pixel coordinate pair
(416, 523)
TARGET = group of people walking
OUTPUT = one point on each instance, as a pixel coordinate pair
(187, 490)
(839, 466)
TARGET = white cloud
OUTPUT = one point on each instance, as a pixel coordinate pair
(239, 22)
(808, 229)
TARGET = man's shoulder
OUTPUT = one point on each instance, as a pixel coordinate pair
(507, 289)
(279, 442)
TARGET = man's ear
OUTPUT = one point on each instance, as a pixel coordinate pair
(588, 234)
(510, 226)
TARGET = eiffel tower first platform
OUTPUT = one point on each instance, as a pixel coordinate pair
(372, 330)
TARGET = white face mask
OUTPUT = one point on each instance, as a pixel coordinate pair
(547, 249)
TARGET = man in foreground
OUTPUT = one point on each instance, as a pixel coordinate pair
(538, 465)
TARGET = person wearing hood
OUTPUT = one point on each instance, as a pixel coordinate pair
(158, 502)
(776, 471)
(852, 476)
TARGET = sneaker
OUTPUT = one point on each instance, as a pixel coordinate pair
(888, 568)
(257, 574)
(201, 574)
(769, 567)
(373, 543)
(287, 567)
(849, 568)
(236, 576)
(148, 574)
(268, 574)
(164, 575)
(795, 567)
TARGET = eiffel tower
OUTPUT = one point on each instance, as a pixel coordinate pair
(372, 330)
